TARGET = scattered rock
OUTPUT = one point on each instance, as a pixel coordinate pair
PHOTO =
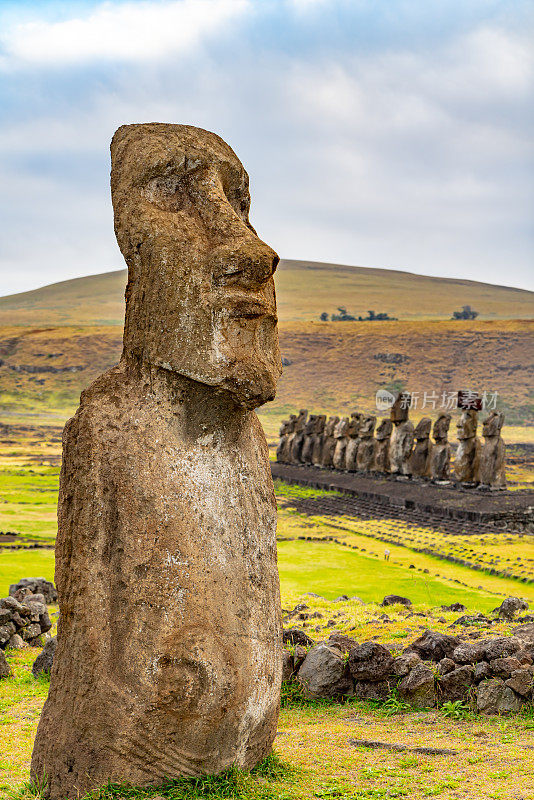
(45, 659)
(503, 667)
(454, 607)
(509, 607)
(445, 666)
(342, 642)
(372, 690)
(370, 662)
(521, 682)
(471, 619)
(287, 664)
(395, 599)
(16, 642)
(429, 751)
(433, 645)
(404, 663)
(525, 632)
(341, 599)
(502, 647)
(34, 586)
(470, 652)
(417, 687)
(455, 685)
(296, 636)
(494, 697)
(482, 671)
(5, 669)
(323, 673)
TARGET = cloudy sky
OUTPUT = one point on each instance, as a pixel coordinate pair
(387, 133)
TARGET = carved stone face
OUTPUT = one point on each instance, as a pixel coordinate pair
(400, 408)
(310, 424)
(492, 424)
(301, 420)
(354, 425)
(423, 428)
(320, 423)
(367, 427)
(441, 427)
(467, 425)
(384, 429)
(200, 299)
(341, 428)
(330, 425)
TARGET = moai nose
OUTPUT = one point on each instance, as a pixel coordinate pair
(244, 261)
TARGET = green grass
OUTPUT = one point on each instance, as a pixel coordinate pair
(17, 564)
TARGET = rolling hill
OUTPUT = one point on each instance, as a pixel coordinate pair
(305, 289)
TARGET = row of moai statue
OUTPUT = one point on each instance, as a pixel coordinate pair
(356, 444)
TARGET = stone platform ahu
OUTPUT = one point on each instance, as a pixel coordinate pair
(169, 655)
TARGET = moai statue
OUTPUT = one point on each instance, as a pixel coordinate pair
(491, 470)
(366, 448)
(298, 439)
(401, 442)
(353, 441)
(382, 437)
(420, 457)
(329, 443)
(468, 451)
(440, 454)
(340, 435)
(317, 451)
(283, 434)
(169, 658)
(285, 455)
(308, 441)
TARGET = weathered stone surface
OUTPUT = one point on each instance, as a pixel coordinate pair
(372, 690)
(440, 453)
(445, 666)
(34, 586)
(353, 441)
(502, 647)
(323, 673)
(491, 467)
(342, 642)
(400, 448)
(404, 663)
(370, 661)
(433, 645)
(456, 684)
(298, 437)
(382, 440)
(420, 457)
(482, 671)
(525, 632)
(5, 669)
(317, 448)
(417, 687)
(470, 652)
(494, 697)
(45, 659)
(306, 453)
(395, 599)
(366, 449)
(329, 443)
(287, 665)
(521, 682)
(16, 642)
(468, 453)
(510, 606)
(503, 667)
(169, 658)
(340, 435)
(296, 636)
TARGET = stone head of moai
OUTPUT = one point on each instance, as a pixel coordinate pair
(355, 421)
(367, 427)
(423, 428)
(311, 424)
(301, 420)
(200, 299)
(400, 408)
(340, 431)
(292, 423)
(492, 425)
(466, 427)
(330, 426)
(320, 423)
(441, 427)
(384, 429)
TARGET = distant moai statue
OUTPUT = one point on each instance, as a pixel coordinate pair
(366, 448)
(340, 435)
(401, 442)
(283, 433)
(440, 454)
(353, 441)
(308, 441)
(298, 438)
(491, 470)
(317, 450)
(468, 453)
(284, 445)
(382, 437)
(329, 443)
(420, 457)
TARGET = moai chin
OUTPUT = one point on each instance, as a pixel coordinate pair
(329, 443)
(298, 439)
(382, 438)
(317, 449)
(340, 435)
(169, 655)
(491, 471)
(440, 453)
(308, 439)
(401, 442)
(353, 441)
(420, 457)
(468, 451)
(366, 449)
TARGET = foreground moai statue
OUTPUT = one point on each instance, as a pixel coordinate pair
(382, 437)
(401, 442)
(353, 441)
(168, 659)
(440, 454)
(366, 448)
(317, 450)
(306, 455)
(468, 451)
(329, 443)
(491, 470)
(340, 435)
(420, 457)
(298, 439)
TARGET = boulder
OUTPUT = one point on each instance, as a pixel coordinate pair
(31, 632)
(370, 661)
(372, 690)
(525, 632)
(494, 697)
(287, 665)
(342, 642)
(323, 673)
(417, 688)
(454, 607)
(34, 586)
(16, 642)
(503, 667)
(502, 647)
(404, 663)
(455, 685)
(433, 645)
(510, 606)
(470, 652)
(521, 682)
(6, 632)
(45, 659)
(5, 669)
(296, 636)
(395, 599)
(482, 671)
(445, 666)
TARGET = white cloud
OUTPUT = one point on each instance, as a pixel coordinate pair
(124, 32)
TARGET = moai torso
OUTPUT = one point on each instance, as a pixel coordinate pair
(366, 449)
(353, 441)
(468, 451)
(308, 440)
(340, 435)
(317, 451)
(491, 471)
(382, 437)
(286, 435)
(298, 439)
(401, 442)
(420, 457)
(168, 658)
(440, 454)
(329, 443)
